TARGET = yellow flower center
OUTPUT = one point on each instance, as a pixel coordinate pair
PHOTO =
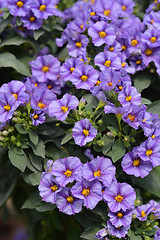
(32, 19)
(85, 192)
(81, 26)
(148, 52)
(106, 12)
(153, 39)
(70, 199)
(55, 6)
(42, 8)
(107, 63)
(97, 83)
(15, 95)
(123, 8)
(120, 88)
(153, 136)
(124, 47)
(152, 21)
(110, 84)
(138, 62)
(41, 105)
(102, 34)
(92, 1)
(123, 64)
(149, 152)
(79, 44)
(119, 198)
(45, 68)
(119, 215)
(128, 98)
(49, 86)
(136, 162)
(131, 117)
(54, 188)
(72, 69)
(7, 107)
(35, 116)
(35, 84)
(134, 42)
(64, 108)
(68, 173)
(97, 173)
(85, 132)
(92, 14)
(84, 78)
(111, 49)
(143, 214)
(19, 4)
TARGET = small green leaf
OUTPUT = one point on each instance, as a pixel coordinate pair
(5, 196)
(21, 128)
(90, 232)
(18, 158)
(132, 236)
(36, 161)
(142, 81)
(38, 34)
(67, 138)
(35, 178)
(39, 149)
(16, 41)
(33, 137)
(154, 107)
(146, 101)
(118, 150)
(108, 142)
(9, 60)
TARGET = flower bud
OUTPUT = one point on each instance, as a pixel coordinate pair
(110, 134)
(134, 216)
(15, 120)
(16, 114)
(2, 138)
(5, 133)
(18, 144)
(137, 202)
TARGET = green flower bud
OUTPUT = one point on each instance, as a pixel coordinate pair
(110, 134)
(134, 216)
(147, 238)
(137, 202)
(18, 144)
(10, 129)
(15, 120)
(16, 113)
(5, 133)
(100, 143)
(100, 122)
(13, 138)
(2, 138)
(126, 138)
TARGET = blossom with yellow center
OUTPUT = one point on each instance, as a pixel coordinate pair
(153, 136)
(85, 132)
(49, 86)
(54, 188)
(97, 83)
(70, 199)
(107, 12)
(120, 88)
(85, 192)
(102, 34)
(45, 69)
(15, 95)
(97, 173)
(153, 39)
(128, 98)
(149, 152)
(79, 44)
(92, 14)
(41, 105)
(123, 64)
(68, 173)
(7, 107)
(19, 4)
(138, 62)
(81, 26)
(35, 84)
(131, 117)
(124, 47)
(119, 198)
(134, 42)
(35, 116)
(84, 78)
(119, 215)
(72, 69)
(148, 52)
(42, 8)
(110, 84)
(143, 214)
(32, 19)
(123, 8)
(107, 63)
(111, 49)
(136, 162)
(64, 108)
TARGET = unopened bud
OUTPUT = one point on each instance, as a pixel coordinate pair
(100, 122)
(137, 202)
(10, 129)
(147, 238)
(18, 144)
(13, 138)
(2, 138)
(126, 138)
(16, 114)
(100, 143)
(134, 216)
(15, 120)
(24, 114)
(5, 133)
(110, 134)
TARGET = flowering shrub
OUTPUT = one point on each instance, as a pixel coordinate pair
(75, 121)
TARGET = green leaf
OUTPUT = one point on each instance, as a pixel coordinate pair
(21, 128)
(142, 81)
(38, 34)
(118, 150)
(4, 197)
(151, 183)
(38, 149)
(146, 101)
(33, 137)
(67, 137)
(35, 178)
(18, 158)
(35, 202)
(4, 24)
(16, 41)
(154, 107)
(90, 232)
(55, 153)
(9, 60)
(132, 236)
(108, 142)
(36, 161)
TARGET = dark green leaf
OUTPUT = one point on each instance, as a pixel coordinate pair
(90, 232)
(118, 150)
(132, 236)
(4, 24)
(21, 128)
(108, 142)
(33, 137)
(39, 149)
(9, 60)
(18, 158)
(6, 195)
(146, 101)
(35, 178)
(142, 81)
(67, 138)
(154, 107)
(38, 34)
(17, 41)
(53, 152)
(36, 161)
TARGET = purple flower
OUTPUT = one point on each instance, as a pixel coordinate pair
(38, 117)
(152, 37)
(83, 132)
(143, 211)
(102, 233)
(150, 151)
(109, 79)
(127, 7)
(120, 218)
(129, 95)
(157, 234)
(31, 22)
(156, 208)
(60, 108)
(149, 53)
(67, 203)
(67, 170)
(102, 32)
(45, 67)
(119, 232)
(101, 169)
(119, 196)
(90, 192)
(107, 60)
(18, 8)
(84, 77)
(133, 165)
(48, 188)
(77, 46)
